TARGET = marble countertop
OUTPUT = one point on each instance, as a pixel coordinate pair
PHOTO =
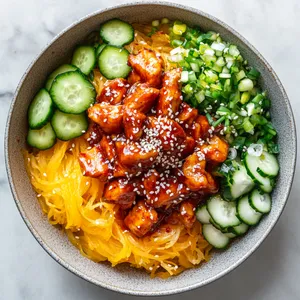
(27, 272)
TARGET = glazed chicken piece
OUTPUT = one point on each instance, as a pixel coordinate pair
(196, 178)
(169, 132)
(205, 126)
(94, 134)
(141, 219)
(119, 170)
(133, 156)
(216, 150)
(163, 190)
(141, 97)
(148, 66)
(109, 117)
(108, 147)
(133, 77)
(189, 146)
(113, 91)
(94, 163)
(170, 95)
(119, 191)
(187, 213)
(133, 122)
(187, 114)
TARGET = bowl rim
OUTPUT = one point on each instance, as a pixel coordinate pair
(30, 226)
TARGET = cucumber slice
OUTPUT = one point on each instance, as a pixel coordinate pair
(222, 212)
(230, 235)
(60, 70)
(99, 49)
(242, 183)
(112, 62)
(117, 33)
(252, 163)
(40, 110)
(215, 237)
(84, 57)
(268, 166)
(261, 202)
(43, 138)
(240, 229)
(202, 214)
(246, 213)
(72, 92)
(68, 126)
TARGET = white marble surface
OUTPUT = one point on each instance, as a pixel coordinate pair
(27, 272)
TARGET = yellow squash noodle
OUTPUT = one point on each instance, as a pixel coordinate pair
(74, 202)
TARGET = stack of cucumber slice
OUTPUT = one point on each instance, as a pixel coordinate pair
(58, 110)
(243, 204)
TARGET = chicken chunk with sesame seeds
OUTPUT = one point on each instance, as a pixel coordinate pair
(141, 97)
(216, 150)
(189, 146)
(170, 97)
(133, 77)
(141, 219)
(113, 91)
(196, 178)
(108, 146)
(109, 117)
(187, 114)
(119, 170)
(94, 134)
(119, 191)
(94, 163)
(163, 190)
(148, 66)
(169, 132)
(187, 213)
(205, 126)
(133, 122)
(132, 155)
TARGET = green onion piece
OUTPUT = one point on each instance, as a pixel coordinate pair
(253, 74)
(179, 28)
(195, 67)
(200, 96)
(239, 142)
(165, 21)
(203, 37)
(219, 121)
(155, 23)
(176, 43)
(223, 111)
(240, 75)
(245, 97)
(192, 76)
(247, 125)
(184, 76)
(245, 85)
(258, 98)
(209, 118)
(234, 51)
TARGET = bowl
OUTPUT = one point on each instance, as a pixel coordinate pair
(123, 278)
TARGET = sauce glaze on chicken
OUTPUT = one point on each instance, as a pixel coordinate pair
(153, 150)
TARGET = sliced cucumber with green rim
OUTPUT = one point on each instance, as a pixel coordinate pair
(202, 214)
(72, 93)
(268, 165)
(260, 201)
(246, 213)
(60, 70)
(222, 212)
(252, 163)
(240, 229)
(40, 110)
(215, 237)
(117, 33)
(84, 57)
(242, 183)
(112, 62)
(69, 126)
(230, 235)
(99, 49)
(43, 138)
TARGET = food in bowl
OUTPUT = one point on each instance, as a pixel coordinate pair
(153, 146)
